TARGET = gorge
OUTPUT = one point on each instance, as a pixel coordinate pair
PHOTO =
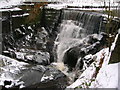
(53, 50)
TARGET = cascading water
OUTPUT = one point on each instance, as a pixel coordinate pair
(68, 37)
(75, 26)
(74, 37)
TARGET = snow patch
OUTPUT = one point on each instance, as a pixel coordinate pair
(47, 77)
(107, 77)
(10, 66)
(25, 14)
(12, 9)
(20, 55)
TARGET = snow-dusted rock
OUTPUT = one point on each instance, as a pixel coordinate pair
(100, 74)
(90, 45)
(15, 74)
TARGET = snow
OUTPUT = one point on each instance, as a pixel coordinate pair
(57, 6)
(29, 57)
(107, 76)
(119, 31)
(80, 3)
(88, 56)
(114, 43)
(29, 27)
(9, 3)
(10, 66)
(47, 77)
(25, 14)
(11, 61)
(62, 4)
(12, 9)
(87, 75)
(20, 55)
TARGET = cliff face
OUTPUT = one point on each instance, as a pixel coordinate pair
(115, 57)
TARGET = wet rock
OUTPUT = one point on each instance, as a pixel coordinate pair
(91, 45)
(23, 75)
(71, 57)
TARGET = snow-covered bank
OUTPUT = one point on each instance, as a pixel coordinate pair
(10, 66)
(100, 74)
(107, 77)
(88, 75)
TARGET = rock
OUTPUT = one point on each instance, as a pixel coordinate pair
(91, 45)
(41, 38)
(115, 55)
(71, 57)
(33, 57)
(18, 33)
(23, 75)
(42, 58)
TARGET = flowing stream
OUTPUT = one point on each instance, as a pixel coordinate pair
(75, 26)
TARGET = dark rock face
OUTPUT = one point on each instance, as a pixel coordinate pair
(31, 48)
(29, 76)
(91, 45)
(71, 57)
(29, 38)
(115, 56)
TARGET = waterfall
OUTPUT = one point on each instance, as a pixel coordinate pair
(90, 20)
(68, 37)
(75, 26)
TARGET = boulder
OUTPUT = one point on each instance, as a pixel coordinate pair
(91, 45)
(33, 57)
(19, 75)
